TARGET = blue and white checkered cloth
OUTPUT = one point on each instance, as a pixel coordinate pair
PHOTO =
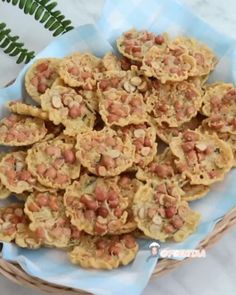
(117, 16)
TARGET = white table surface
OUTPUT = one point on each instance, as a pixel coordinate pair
(213, 275)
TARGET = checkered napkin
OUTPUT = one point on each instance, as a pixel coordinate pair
(156, 15)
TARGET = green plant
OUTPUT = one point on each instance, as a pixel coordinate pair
(44, 12)
(12, 46)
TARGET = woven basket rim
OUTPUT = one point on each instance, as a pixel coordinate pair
(16, 274)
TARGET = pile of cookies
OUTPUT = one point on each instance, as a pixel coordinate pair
(116, 148)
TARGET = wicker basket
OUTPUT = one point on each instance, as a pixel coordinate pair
(14, 273)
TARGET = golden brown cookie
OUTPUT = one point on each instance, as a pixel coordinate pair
(21, 108)
(104, 252)
(14, 173)
(171, 63)
(40, 76)
(219, 98)
(17, 130)
(49, 223)
(162, 167)
(130, 81)
(143, 137)
(166, 133)
(96, 205)
(104, 153)
(120, 108)
(66, 107)
(173, 104)
(80, 69)
(160, 213)
(203, 158)
(26, 238)
(204, 57)
(221, 123)
(12, 219)
(134, 44)
(54, 163)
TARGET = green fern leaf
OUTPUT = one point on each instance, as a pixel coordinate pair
(5, 43)
(4, 33)
(45, 17)
(54, 26)
(58, 31)
(51, 6)
(15, 52)
(33, 7)
(49, 22)
(22, 4)
(27, 6)
(12, 47)
(2, 26)
(69, 28)
(38, 12)
(44, 12)
(43, 2)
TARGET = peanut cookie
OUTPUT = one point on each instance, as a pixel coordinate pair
(219, 98)
(166, 133)
(14, 173)
(162, 167)
(41, 76)
(17, 130)
(67, 107)
(21, 108)
(12, 218)
(172, 63)
(96, 205)
(26, 238)
(120, 108)
(160, 213)
(229, 138)
(80, 69)
(129, 81)
(203, 158)
(173, 104)
(54, 163)
(104, 252)
(221, 123)
(204, 57)
(134, 44)
(143, 137)
(104, 153)
(46, 212)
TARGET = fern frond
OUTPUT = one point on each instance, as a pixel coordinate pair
(44, 12)
(11, 45)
